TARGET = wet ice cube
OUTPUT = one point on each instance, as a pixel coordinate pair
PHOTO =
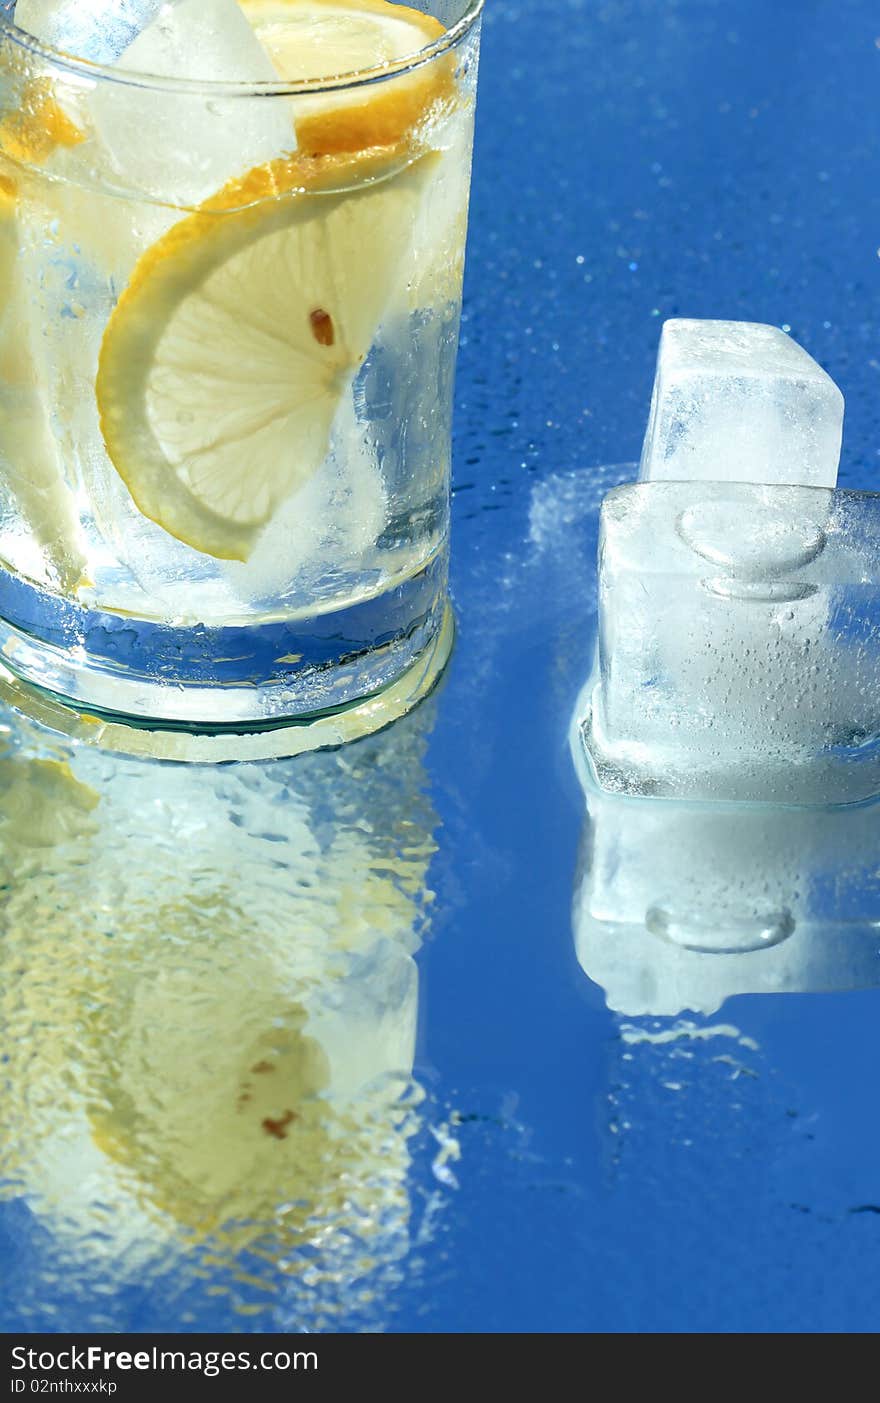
(207, 40)
(739, 664)
(99, 30)
(740, 402)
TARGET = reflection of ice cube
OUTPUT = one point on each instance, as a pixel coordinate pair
(682, 906)
(740, 402)
(140, 127)
(366, 1023)
(99, 30)
(742, 668)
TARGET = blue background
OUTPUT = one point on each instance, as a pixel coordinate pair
(635, 160)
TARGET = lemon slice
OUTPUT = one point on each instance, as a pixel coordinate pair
(8, 238)
(32, 474)
(333, 38)
(227, 356)
(224, 362)
(30, 132)
(327, 39)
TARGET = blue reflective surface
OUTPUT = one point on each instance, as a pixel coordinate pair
(556, 1166)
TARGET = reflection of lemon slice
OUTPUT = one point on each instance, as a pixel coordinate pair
(204, 1061)
(42, 803)
(313, 39)
(223, 364)
(243, 1126)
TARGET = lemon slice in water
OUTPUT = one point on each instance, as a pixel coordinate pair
(333, 38)
(224, 361)
(314, 39)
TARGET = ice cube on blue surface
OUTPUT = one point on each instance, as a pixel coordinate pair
(739, 643)
(740, 402)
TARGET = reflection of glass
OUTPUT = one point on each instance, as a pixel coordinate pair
(680, 906)
(226, 362)
(209, 1010)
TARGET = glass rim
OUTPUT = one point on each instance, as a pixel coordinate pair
(268, 87)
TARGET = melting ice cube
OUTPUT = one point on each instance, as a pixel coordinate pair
(744, 662)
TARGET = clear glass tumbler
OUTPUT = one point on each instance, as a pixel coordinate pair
(228, 326)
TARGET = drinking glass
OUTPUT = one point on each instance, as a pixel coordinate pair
(229, 318)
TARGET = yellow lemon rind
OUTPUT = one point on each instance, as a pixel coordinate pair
(31, 133)
(378, 113)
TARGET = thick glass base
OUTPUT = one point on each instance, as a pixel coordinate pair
(258, 670)
(270, 736)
